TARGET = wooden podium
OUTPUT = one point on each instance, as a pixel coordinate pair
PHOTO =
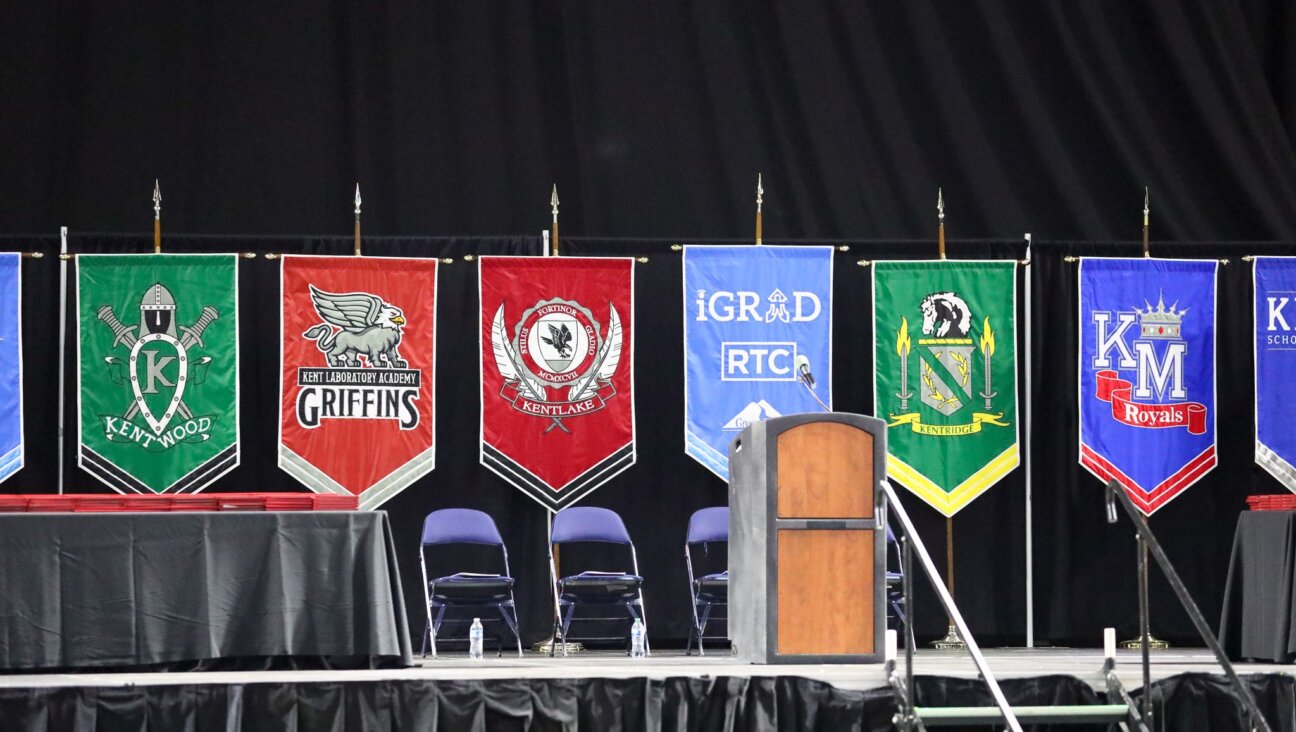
(807, 573)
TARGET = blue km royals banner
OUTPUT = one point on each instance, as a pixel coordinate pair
(11, 433)
(1147, 374)
(1275, 361)
(749, 313)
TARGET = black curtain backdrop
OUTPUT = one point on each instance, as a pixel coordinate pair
(653, 119)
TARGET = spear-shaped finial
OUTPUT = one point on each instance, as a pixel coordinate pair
(1146, 210)
(157, 217)
(357, 219)
(760, 199)
(940, 214)
(553, 234)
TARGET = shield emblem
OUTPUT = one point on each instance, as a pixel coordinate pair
(946, 376)
(159, 371)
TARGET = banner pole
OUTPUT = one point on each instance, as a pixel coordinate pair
(1146, 253)
(1029, 464)
(760, 193)
(553, 237)
(940, 214)
(157, 217)
(62, 359)
(951, 639)
(357, 220)
(1146, 640)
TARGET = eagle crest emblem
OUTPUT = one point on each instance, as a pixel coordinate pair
(559, 362)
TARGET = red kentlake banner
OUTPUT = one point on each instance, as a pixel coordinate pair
(1112, 388)
(557, 375)
(356, 381)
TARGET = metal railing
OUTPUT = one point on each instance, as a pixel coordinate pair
(1148, 544)
(911, 543)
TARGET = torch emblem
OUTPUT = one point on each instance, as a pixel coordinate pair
(945, 367)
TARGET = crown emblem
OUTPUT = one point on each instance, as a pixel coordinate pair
(1160, 322)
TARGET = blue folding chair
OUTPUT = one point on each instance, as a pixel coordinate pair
(593, 589)
(465, 589)
(706, 526)
(895, 579)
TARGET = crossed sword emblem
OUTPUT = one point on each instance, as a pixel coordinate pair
(126, 335)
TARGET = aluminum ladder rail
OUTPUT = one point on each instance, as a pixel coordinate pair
(911, 717)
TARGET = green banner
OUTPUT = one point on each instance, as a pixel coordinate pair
(158, 369)
(945, 375)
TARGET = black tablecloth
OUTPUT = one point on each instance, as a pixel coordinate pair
(136, 589)
(1259, 605)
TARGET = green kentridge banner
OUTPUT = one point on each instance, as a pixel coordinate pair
(158, 369)
(945, 375)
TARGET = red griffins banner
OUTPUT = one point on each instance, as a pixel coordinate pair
(356, 377)
(557, 373)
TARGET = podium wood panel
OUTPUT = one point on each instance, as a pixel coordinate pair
(825, 470)
(825, 591)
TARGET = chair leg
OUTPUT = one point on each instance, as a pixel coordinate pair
(566, 625)
(702, 624)
(509, 613)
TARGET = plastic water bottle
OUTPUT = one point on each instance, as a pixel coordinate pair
(475, 639)
(637, 647)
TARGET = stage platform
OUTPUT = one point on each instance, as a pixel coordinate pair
(1005, 663)
(607, 690)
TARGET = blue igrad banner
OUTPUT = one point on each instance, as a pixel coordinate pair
(749, 313)
(1147, 374)
(11, 428)
(1275, 361)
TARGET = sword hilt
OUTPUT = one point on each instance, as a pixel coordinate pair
(120, 332)
(193, 334)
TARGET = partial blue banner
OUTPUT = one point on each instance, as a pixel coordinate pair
(749, 313)
(1147, 374)
(1275, 361)
(11, 425)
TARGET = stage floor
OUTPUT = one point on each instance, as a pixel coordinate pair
(1005, 663)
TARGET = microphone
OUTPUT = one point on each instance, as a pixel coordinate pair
(803, 370)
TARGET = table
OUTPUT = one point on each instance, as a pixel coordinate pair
(117, 590)
(1259, 607)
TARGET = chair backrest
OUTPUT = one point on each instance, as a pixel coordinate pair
(709, 524)
(587, 523)
(460, 526)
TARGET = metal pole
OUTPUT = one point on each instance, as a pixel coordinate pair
(553, 204)
(157, 217)
(907, 568)
(62, 350)
(357, 220)
(933, 576)
(1145, 632)
(1029, 463)
(760, 193)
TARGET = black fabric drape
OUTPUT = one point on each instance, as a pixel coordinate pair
(1187, 703)
(654, 118)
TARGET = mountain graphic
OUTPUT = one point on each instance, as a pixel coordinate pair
(753, 412)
